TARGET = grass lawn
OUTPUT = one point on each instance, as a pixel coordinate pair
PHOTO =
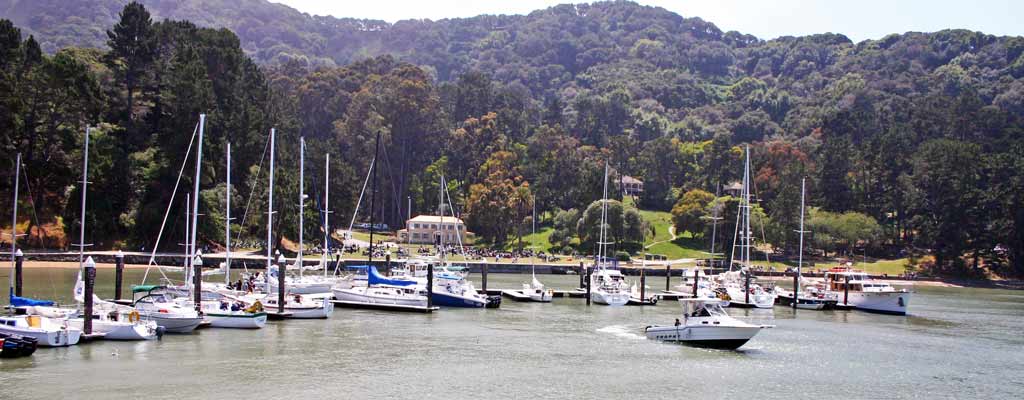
(878, 267)
(537, 241)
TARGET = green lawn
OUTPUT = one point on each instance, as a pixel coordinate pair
(890, 267)
(537, 241)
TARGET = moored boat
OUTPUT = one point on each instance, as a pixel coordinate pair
(855, 288)
(47, 332)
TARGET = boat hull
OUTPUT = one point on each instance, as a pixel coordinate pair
(715, 337)
(174, 324)
(454, 300)
(46, 337)
(610, 299)
(357, 295)
(237, 321)
(894, 303)
(120, 330)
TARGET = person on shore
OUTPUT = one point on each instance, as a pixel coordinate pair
(677, 322)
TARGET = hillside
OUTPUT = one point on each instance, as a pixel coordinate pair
(911, 143)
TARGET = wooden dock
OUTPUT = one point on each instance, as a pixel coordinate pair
(516, 295)
(384, 307)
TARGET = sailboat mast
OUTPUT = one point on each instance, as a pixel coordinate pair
(327, 209)
(270, 215)
(533, 231)
(373, 193)
(227, 220)
(85, 185)
(440, 209)
(195, 205)
(14, 225)
(302, 197)
(601, 249)
(746, 208)
(800, 258)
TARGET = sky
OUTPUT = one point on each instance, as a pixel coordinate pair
(766, 19)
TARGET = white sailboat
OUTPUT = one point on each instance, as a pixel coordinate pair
(705, 324)
(608, 285)
(806, 297)
(535, 290)
(48, 332)
(741, 285)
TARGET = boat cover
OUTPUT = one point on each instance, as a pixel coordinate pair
(375, 278)
(17, 301)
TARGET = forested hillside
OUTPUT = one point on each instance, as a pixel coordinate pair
(911, 143)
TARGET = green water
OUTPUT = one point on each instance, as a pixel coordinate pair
(958, 343)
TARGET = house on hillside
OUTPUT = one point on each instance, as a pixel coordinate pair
(632, 186)
(430, 229)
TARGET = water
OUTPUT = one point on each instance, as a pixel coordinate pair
(958, 343)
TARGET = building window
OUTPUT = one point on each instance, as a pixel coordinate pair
(433, 226)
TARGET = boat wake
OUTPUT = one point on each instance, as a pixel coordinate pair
(622, 331)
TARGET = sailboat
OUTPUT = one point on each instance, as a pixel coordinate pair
(809, 298)
(299, 306)
(740, 285)
(534, 290)
(379, 290)
(48, 332)
(608, 285)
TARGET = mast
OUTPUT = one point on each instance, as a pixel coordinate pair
(302, 197)
(270, 216)
(195, 207)
(327, 210)
(601, 248)
(227, 221)
(533, 231)
(440, 209)
(800, 258)
(85, 185)
(373, 193)
(14, 225)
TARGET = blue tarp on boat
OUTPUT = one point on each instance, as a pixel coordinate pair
(17, 301)
(375, 278)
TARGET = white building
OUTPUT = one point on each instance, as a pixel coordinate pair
(430, 229)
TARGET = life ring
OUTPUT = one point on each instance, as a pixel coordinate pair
(133, 316)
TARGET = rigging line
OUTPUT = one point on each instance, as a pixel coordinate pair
(32, 202)
(764, 238)
(170, 203)
(252, 190)
(394, 190)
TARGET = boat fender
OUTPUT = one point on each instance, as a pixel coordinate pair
(133, 316)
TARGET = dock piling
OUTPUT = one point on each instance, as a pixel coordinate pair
(746, 288)
(581, 274)
(796, 286)
(118, 274)
(587, 283)
(846, 291)
(696, 275)
(430, 285)
(483, 273)
(19, 258)
(643, 285)
(90, 281)
(668, 277)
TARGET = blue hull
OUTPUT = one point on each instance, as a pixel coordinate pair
(449, 300)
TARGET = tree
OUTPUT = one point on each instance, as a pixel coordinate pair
(623, 225)
(132, 43)
(690, 213)
(502, 196)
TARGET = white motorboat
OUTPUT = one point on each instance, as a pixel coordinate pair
(705, 324)
(855, 288)
(232, 312)
(154, 303)
(302, 306)
(48, 332)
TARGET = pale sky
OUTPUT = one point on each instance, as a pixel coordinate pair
(766, 19)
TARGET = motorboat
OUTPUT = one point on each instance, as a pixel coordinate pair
(154, 303)
(233, 312)
(705, 324)
(855, 288)
(456, 291)
(811, 297)
(14, 346)
(48, 332)
(301, 306)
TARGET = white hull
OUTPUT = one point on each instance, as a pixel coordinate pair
(611, 299)
(883, 302)
(364, 295)
(541, 296)
(173, 324)
(737, 298)
(113, 330)
(46, 337)
(704, 335)
(237, 321)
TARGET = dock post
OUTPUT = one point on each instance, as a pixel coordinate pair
(643, 285)
(387, 259)
(746, 288)
(90, 281)
(197, 281)
(281, 268)
(19, 258)
(668, 277)
(430, 285)
(483, 274)
(581, 274)
(587, 283)
(696, 276)
(796, 287)
(846, 291)
(118, 273)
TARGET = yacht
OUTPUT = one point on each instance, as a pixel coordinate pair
(609, 287)
(705, 324)
(855, 288)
